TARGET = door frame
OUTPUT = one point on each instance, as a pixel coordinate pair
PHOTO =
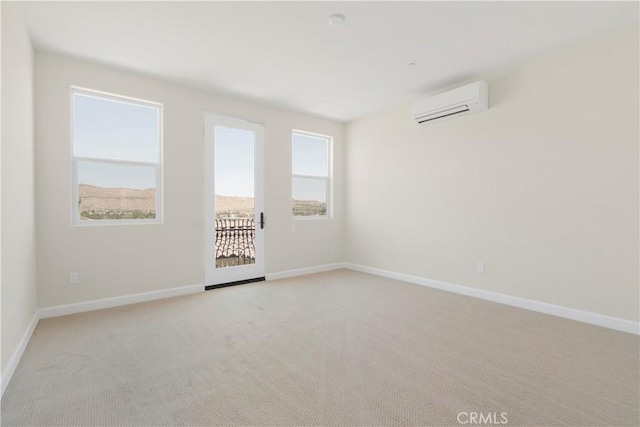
(218, 277)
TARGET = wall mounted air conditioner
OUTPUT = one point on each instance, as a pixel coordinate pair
(467, 99)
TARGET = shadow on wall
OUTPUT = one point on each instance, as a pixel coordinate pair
(502, 84)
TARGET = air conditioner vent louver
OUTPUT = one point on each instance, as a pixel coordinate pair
(444, 113)
(468, 99)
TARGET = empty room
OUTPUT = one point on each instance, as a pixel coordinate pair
(324, 213)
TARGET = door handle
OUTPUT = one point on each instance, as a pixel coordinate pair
(261, 220)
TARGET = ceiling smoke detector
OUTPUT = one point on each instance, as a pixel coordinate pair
(336, 19)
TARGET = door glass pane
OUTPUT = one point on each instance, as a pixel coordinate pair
(234, 151)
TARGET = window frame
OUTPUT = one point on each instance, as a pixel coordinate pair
(158, 166)
(328, 179)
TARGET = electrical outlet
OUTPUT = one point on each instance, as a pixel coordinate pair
(333, 248)
(74, 278)
(481, 267)
(293, 228)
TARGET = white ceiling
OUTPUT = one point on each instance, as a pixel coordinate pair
(286, 54)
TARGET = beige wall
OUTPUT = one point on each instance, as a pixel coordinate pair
(543, 187)
(18, 216)
(121, 260)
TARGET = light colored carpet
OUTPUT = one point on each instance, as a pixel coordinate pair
(338, 348)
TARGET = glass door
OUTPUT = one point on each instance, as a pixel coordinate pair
(234, 200)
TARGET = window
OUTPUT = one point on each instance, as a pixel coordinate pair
(117, 159)
(311, 175)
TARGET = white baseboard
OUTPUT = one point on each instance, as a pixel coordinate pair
(81, 307)
(555, 310)
(541, 307)
(17, 355)
(303, 271)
